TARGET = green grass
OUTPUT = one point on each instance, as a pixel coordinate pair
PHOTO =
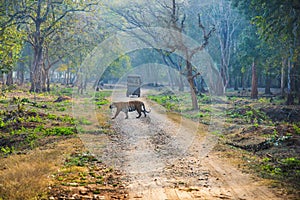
(297, 129)
(79, 159)
(60, 131)
(101, 98)
(23, 127)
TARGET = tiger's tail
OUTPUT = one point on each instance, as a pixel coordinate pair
(145, 108)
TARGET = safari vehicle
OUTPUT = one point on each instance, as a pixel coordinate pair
(134, 83)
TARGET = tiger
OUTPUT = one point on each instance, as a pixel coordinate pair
(129, 107)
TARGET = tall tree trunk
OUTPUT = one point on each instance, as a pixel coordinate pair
(48, 81)
(190, 78)
(290, 89)
(20, 73)
(9, 79)
(291, 66)
(282, 79)
(38, 41)
(236, 84)
(1, 78)
(254, 91)
(44, 78)
(268, 84)
(242, 81)
(297, 85)
(36, 70)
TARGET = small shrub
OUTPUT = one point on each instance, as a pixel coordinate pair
(79, 159)
(60, 131)
(52, 117)
(7, 150)
(84, 121)
(67, 119)
(291, 163)
(2, 123)
(296, 128)
(34, 119)
(62, 109)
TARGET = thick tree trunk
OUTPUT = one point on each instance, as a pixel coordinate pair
(268, 84)
(290, 89)
(242, 81)
(193, 94)
(48, 82)
(297, 87)
(236, 84)
(192, 85)
(36, 70)
(282, 79)
(9, 78)
(254, 91)
(1, 78)
(20, 73)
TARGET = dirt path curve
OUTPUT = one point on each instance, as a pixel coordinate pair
(169, 157)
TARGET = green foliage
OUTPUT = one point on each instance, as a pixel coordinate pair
(205, 99)
(255, 125)
(2, 123)
(101, 98)
(67, 119)
(83, 121)
(170, 102)
(66, 91)
(31, 139)
(80, 159)
(10, 47)
(62, 109)
(23, 128)
(102, 94)
(60, 131)
(35, 119)
(119, 67)
(52, 117)
(291, 162)
(248, 114)
(102, 102)
(297, 129)
(7, 150)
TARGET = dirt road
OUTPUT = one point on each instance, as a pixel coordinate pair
(165, 156)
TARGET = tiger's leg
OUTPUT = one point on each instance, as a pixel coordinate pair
(117, 112)
(126, 112)
(143, 109)
(140, 113)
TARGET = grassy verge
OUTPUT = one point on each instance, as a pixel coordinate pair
(39, 144)
(263, 136)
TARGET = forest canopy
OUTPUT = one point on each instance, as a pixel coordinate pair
(252, 43)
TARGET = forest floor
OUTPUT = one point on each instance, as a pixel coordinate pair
(250, 152)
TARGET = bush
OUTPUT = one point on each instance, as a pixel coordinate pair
(60, 131)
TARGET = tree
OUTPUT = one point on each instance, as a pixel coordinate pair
(249, 53)
(227, 22)
(173, 16)
(40, 19)
(11, 42)
(117, 68)
(277, 19)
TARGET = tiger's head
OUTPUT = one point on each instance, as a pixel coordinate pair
(111, 106)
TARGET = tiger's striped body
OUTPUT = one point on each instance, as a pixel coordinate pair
(129, 107)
